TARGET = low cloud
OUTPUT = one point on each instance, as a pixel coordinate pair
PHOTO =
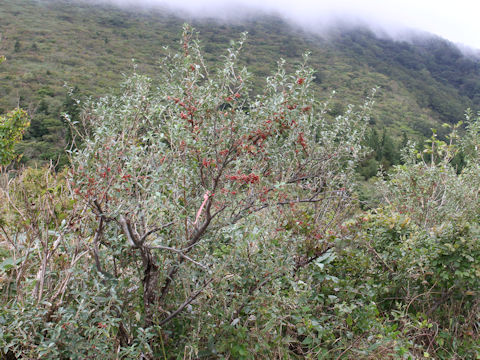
(456, 21)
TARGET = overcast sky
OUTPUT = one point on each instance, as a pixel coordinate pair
(455, 20)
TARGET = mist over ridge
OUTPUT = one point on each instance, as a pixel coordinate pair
(398, 20)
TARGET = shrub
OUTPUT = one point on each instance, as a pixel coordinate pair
(187, 222)
(199, 221)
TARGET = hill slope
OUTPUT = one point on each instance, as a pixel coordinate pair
(50, 43)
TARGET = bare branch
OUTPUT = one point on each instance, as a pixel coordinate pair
(96, 239)
(185, 303)
(194, 240)
(150, 232)
(179, 252)
(127, 230)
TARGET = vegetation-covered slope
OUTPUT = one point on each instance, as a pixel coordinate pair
(51, 43)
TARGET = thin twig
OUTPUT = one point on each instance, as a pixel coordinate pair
(150, 232)
(185, 303)
(349, 347)
(179, 252)
(98, 234)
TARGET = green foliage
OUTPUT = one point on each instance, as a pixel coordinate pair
(427, 280)
(419, 87)
(202, 218)
(423, 245)
(385, 153)
(12, 128)
(198, 206)
(17, 46)
(429, 188)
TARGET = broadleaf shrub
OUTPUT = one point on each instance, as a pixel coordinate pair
(198, 220)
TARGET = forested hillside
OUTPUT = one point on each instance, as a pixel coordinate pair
(56, 48)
